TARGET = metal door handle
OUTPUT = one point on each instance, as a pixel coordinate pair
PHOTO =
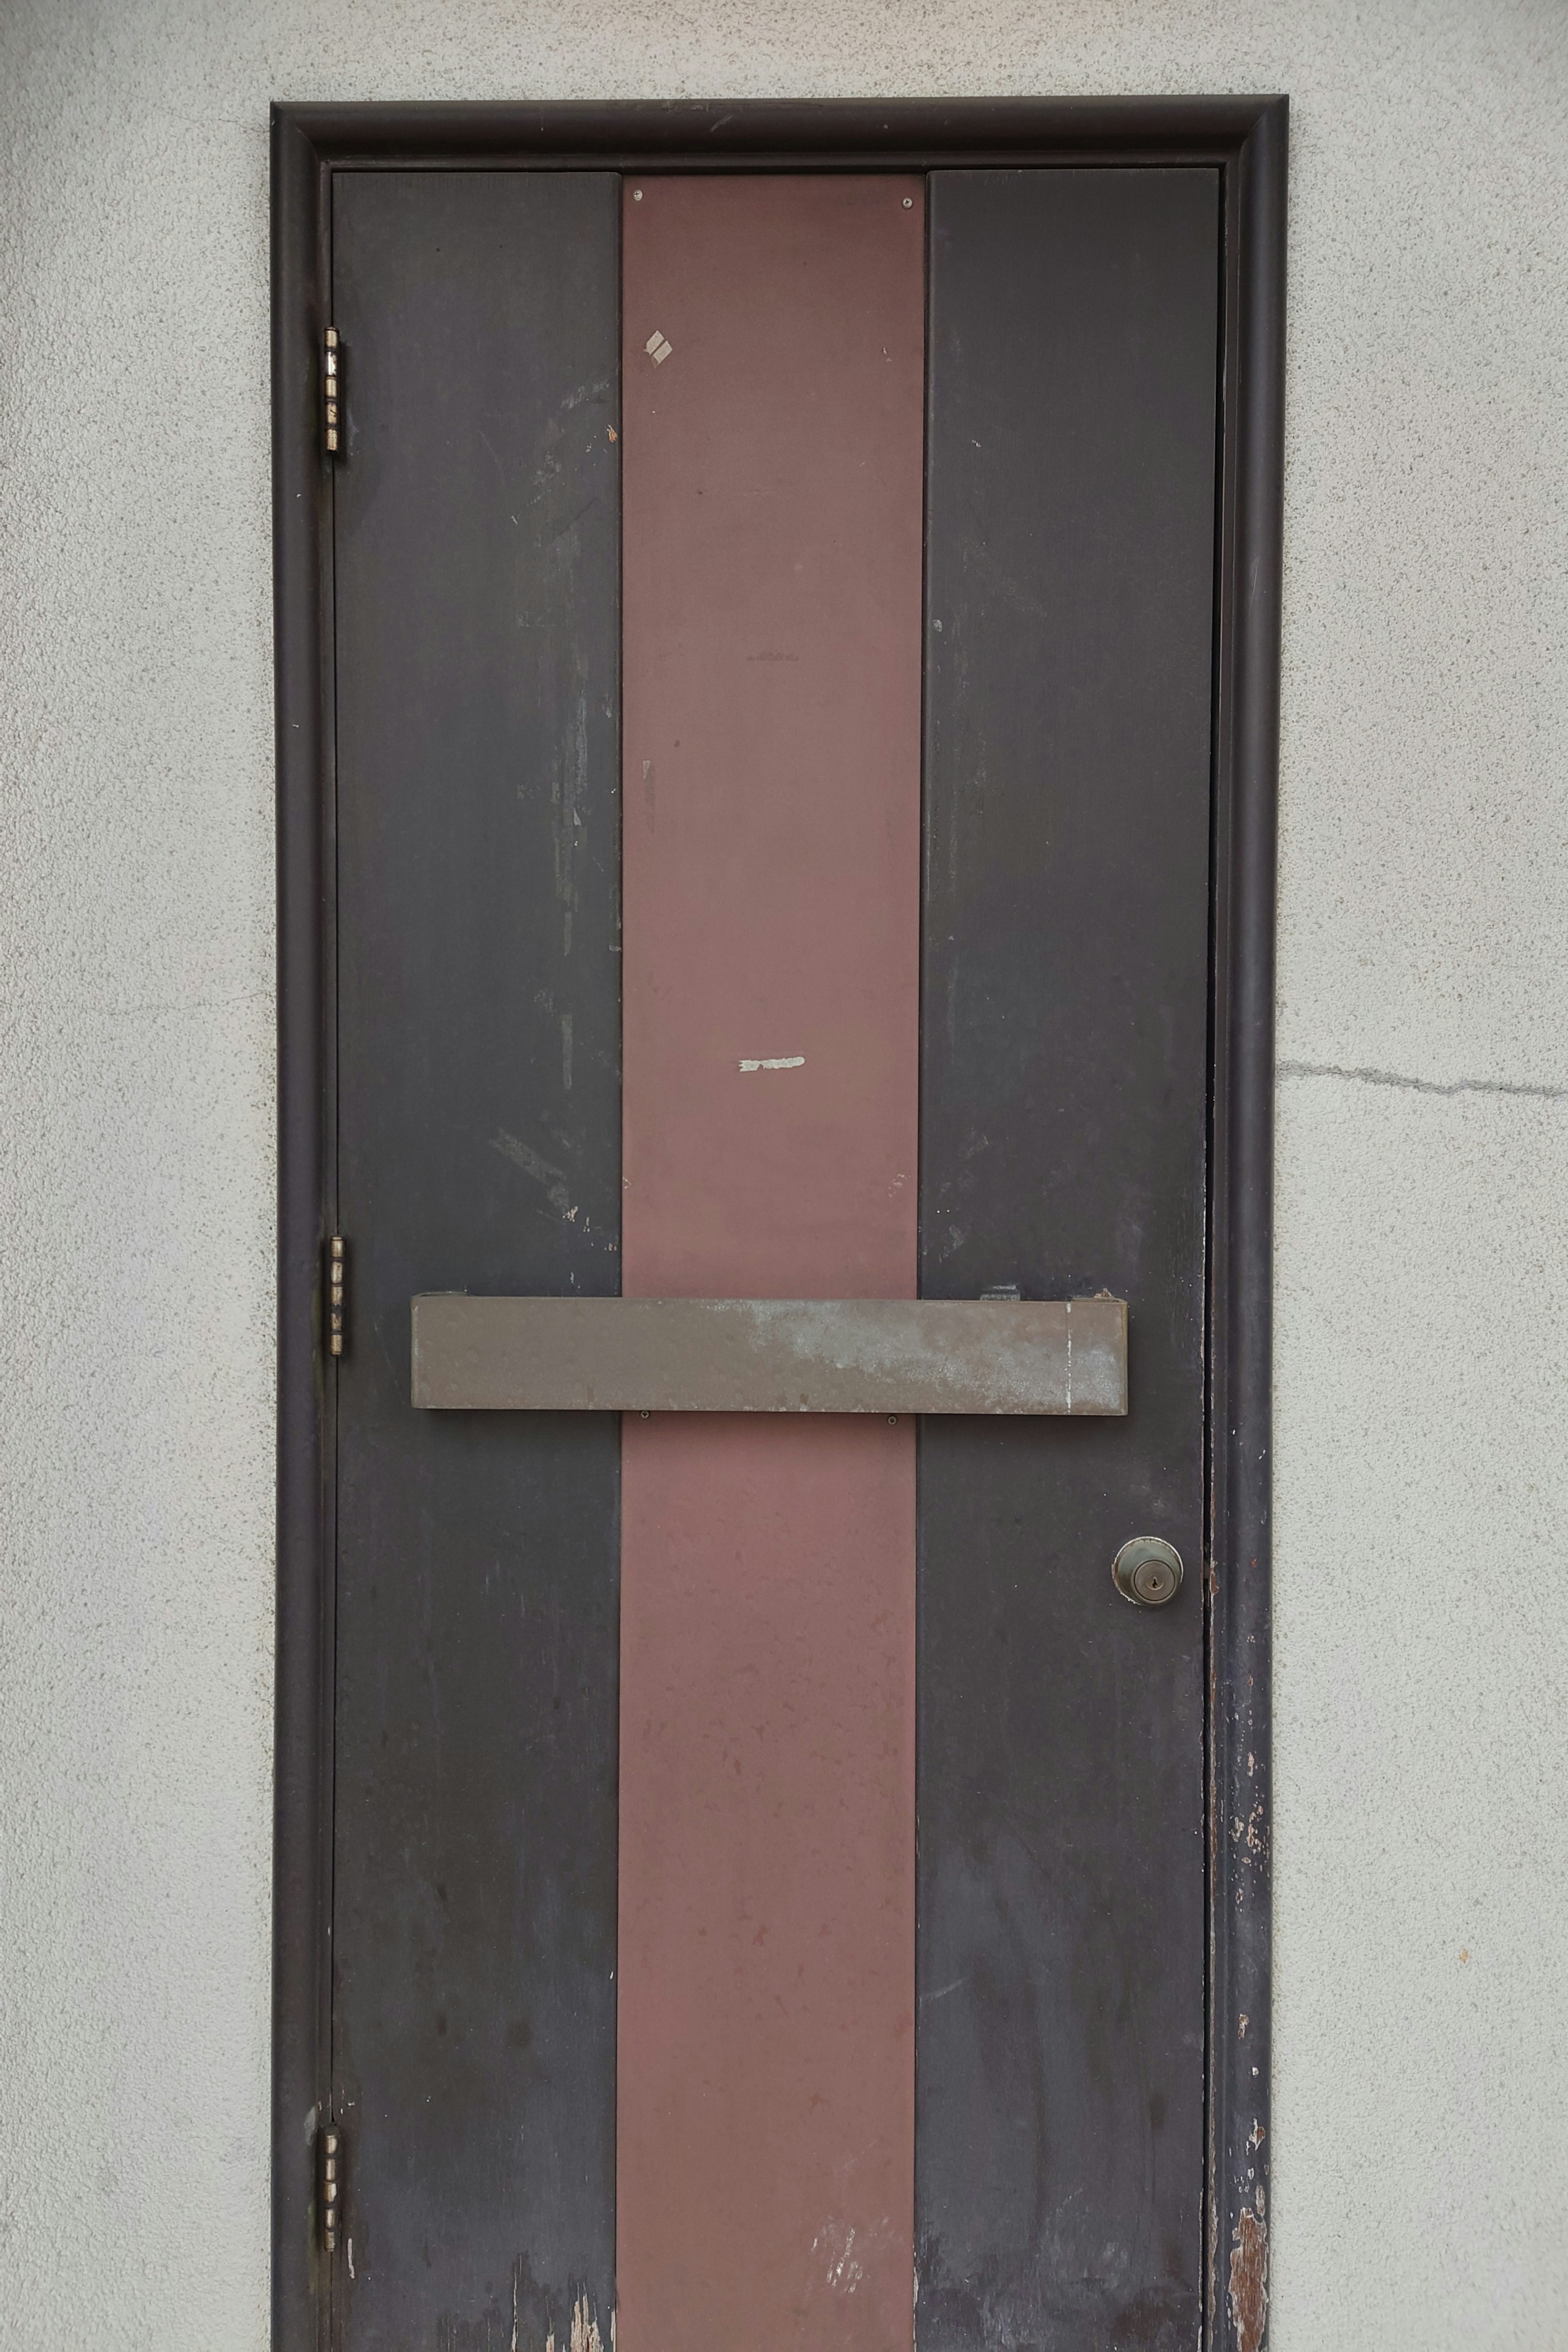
(769, 1355)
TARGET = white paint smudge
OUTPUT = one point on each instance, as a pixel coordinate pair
(837, 2243)
(845, 2248)
(776, 1062)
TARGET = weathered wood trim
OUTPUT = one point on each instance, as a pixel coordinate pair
(1241, 1235)
(302, 1700)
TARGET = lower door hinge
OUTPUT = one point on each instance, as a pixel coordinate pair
(337, 1267)
(333, 424)
(329, 2203)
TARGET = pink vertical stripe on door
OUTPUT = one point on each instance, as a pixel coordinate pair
(774, 372)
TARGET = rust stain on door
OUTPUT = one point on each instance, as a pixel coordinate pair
(772, 524)
(1249, 2277)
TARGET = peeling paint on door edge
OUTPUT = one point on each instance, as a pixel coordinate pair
(1249, 2277)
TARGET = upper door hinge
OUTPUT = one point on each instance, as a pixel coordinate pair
(337, 1271)
(333, 392)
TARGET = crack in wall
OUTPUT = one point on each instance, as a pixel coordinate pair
(1368, 1077)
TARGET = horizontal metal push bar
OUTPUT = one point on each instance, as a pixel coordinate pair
(769, 1355)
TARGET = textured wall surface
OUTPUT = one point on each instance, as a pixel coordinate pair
(1422, 1837)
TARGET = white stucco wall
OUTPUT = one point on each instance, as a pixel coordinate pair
(1422, 1840)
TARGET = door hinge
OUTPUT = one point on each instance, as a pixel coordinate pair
(333, 392)
(337, 1270)
(331, 2186)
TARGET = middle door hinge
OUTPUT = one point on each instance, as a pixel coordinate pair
(337, 1286)
(330, 2186)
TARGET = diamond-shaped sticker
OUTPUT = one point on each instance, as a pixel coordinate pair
(657, 349)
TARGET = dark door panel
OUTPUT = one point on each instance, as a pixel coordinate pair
(477, 539)
(1069, 633)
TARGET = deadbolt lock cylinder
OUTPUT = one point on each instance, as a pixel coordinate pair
(1147, 1571)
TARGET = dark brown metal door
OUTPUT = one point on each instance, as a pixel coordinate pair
(769, 1864)
(1069, 601)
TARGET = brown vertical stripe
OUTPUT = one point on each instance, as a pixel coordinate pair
(772, 524)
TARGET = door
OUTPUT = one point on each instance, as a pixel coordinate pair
(773, 649)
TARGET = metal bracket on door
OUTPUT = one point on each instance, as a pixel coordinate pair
(769, 1355)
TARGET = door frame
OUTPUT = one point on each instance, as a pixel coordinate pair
(1245, 138)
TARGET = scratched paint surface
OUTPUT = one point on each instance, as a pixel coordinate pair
(773, 529)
